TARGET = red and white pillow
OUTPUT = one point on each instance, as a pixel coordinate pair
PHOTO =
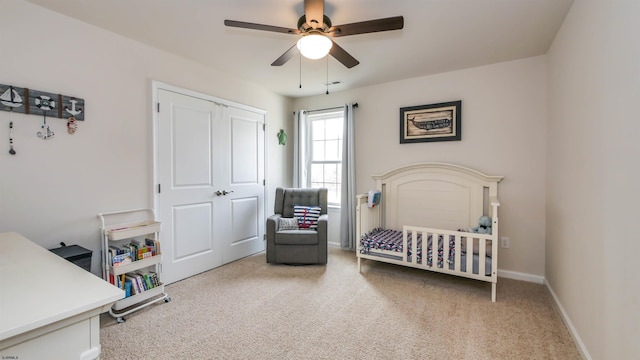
(307, 216)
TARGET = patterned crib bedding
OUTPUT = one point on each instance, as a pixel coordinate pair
(391, 240)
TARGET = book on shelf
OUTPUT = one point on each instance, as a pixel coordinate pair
(134, 251)
(154, 245)
(135, 287)
(138, 282)
(147, 281)
(123, 259)
(154, 278)
(118, 256)
(127, 288)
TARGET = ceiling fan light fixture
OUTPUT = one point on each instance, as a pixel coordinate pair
(314, 46)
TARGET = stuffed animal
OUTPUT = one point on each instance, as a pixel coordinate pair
(484, 226)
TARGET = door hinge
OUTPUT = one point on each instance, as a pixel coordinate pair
(264, 182)
(159, 191)
(264, 127)
(158, 107)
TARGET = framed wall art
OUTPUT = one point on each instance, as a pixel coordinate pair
(435, 122)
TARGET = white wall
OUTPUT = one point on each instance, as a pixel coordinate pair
(504, 110)
(333, 231)
(593, 202)
(52, 190)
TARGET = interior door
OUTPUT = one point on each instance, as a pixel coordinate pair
(210, 169)
(242, 208)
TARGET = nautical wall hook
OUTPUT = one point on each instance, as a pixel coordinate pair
(35, 102)
(45, 104)
(46, 131)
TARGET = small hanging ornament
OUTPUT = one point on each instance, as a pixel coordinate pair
(72, 125)
(12, 151)
(45, 103)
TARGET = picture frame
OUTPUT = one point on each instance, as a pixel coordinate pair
(429, 123)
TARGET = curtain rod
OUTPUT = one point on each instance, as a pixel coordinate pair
(355, 105)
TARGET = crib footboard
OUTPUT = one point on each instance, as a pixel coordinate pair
(458, 253)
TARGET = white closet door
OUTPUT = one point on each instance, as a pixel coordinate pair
(243, 208)
(210, 161)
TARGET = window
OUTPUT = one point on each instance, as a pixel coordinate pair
(325, 153)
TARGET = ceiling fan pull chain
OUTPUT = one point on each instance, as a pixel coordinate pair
(300, 74)
(327, 74)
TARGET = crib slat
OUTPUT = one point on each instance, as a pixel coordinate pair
(470, 241)
(458, 253)
(482, 256)
(434, 250)
(445, 252)
(414, 246)
(425, 249)
(405, 250)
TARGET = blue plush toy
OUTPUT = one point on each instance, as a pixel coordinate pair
(484, 227)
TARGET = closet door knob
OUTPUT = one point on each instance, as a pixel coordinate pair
(225, 192)
(218, 193)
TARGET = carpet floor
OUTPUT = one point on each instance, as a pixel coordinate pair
(249, 309)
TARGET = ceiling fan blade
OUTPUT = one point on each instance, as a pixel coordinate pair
(364, 27)
(343, 56)
(285, 57)
(314, 13)
(247, 25)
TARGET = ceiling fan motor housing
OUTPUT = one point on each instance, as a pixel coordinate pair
(304, 27)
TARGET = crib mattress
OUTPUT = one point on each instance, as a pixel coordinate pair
(391, 241)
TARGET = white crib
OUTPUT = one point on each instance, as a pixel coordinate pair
(436, 201)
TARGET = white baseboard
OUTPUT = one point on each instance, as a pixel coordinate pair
(521, 276)
(563, 314)
(572, 330)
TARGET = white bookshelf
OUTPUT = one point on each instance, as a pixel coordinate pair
(118, 229)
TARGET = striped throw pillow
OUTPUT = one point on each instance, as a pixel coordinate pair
(307, 216)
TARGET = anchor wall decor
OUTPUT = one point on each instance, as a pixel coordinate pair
(35, 102)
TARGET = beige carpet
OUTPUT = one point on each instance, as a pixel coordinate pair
(252, 310)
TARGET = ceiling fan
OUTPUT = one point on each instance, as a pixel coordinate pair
(315, 25)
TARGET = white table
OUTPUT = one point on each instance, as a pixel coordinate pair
(49, 307)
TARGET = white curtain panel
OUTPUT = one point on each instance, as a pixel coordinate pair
(299, 149)
(348, 200)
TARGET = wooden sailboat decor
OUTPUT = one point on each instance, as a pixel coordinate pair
(35, 102)
(12, 98)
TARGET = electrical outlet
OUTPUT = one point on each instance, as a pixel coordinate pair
(505, 242)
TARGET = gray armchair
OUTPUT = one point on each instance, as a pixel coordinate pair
(297, 246)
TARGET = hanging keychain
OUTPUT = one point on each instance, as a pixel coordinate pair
(46, 131)
(11, 150)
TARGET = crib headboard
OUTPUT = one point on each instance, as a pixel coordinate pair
(436, 195)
